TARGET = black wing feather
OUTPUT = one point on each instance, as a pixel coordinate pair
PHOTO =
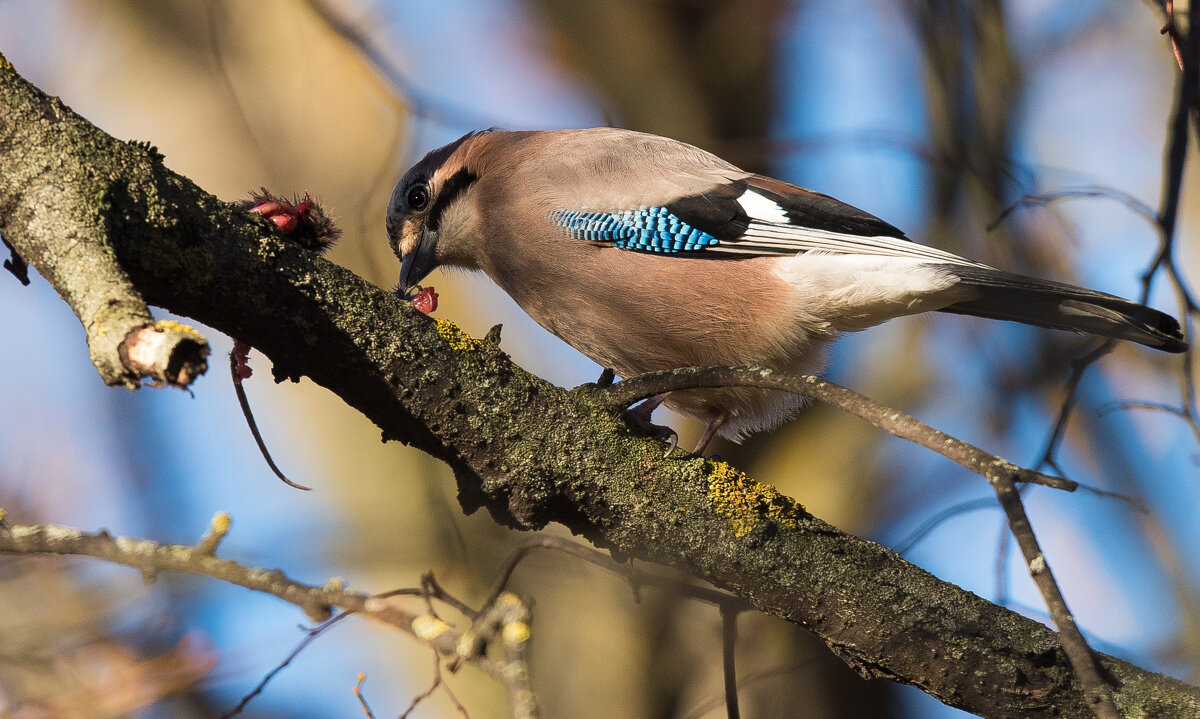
(807, 208)
(718, 212)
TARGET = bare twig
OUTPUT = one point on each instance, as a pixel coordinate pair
(437, 682)
(217, 18)
(433, 590)
(1058, 431)
(1045, 198)
(152, 558)
(312, 634)
(728, 645)
(892, 421)
(910, 540)
(1096, 692)
(239, 370)
(362, 700)
(1164, 220)
(1152, 406)
(420, 103)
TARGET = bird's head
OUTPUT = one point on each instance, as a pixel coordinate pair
(417, 211)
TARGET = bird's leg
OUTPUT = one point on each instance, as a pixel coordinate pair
(639, 417)
(640, 414)
(710, 430)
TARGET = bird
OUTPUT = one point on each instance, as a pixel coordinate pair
(646, 253)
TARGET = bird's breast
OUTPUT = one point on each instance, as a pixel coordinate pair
(637, 312)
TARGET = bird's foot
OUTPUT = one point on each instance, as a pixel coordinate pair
(639, 417)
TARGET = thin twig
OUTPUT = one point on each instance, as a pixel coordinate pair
(1165, 220)
(1045, 198)
(914, 537)
(1002, 545)
(420, 103)
(437, 682)
(1096, 692)
(312, 634)
(358, 694)
(1058, 431)
(236, 367)
(728, 645)
(436, 591)
(226, 76)
(891, 420)
(152, 558)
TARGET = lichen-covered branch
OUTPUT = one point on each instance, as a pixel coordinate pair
(66, 229)
(532, 453)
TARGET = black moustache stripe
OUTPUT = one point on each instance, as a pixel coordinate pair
(451, 189)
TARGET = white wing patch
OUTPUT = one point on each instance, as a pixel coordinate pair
(761, 208)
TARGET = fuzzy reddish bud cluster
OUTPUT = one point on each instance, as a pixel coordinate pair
(301, 219)
(284, 215)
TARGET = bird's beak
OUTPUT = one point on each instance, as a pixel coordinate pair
(417, 264)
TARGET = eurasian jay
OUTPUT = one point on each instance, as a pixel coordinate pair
(645, 253)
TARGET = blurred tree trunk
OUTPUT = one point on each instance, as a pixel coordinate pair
(701, 71)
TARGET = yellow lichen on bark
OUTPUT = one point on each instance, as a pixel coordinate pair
(746, 502)
(456, 338)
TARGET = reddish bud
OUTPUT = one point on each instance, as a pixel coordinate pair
(303, 208)
(281, 214)
(426, 301)
(241, 361)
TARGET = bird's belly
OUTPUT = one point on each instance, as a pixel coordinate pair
(639, 313)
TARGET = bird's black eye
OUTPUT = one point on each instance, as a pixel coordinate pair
(418, 196)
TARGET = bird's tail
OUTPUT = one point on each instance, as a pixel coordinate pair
(1006, 296)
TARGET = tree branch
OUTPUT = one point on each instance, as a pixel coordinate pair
(890, 420)
(532, 453)
(65, 231)
(151, 558)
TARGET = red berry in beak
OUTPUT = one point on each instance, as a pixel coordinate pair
(426, 301)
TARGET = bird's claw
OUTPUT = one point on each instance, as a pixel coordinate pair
(639, 417)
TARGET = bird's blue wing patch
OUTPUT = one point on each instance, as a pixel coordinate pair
(651, 229)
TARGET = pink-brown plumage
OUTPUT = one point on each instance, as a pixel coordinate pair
(781, 272)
